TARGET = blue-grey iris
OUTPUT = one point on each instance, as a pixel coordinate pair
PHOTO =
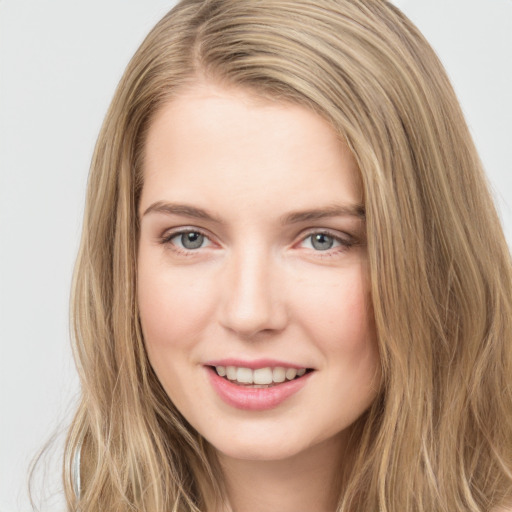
(192, 240)
(322, 242)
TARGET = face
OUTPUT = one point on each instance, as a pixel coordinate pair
(252, 273)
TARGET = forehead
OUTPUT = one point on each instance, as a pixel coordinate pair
(212, 143)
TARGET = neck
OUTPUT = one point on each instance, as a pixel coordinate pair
(307, 481)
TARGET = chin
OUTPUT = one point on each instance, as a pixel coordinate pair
(248, 444)
(257, 452)
(271, 443)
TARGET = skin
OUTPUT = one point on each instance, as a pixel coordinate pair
(257, 287)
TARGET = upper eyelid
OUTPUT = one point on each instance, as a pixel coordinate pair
(339, 235)
(172, 232)
(168, 235)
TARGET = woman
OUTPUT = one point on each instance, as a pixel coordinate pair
(293, 291)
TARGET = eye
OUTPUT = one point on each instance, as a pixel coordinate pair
(189, 240)
(322, 241)
(325, 242)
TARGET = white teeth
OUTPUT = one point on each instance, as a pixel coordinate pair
(244, 375)
(231, 372)
(291, 373)
(262, 377)
(279, 374)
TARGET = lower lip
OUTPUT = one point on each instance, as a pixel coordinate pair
(255, 399)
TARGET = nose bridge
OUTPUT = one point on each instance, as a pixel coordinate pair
(252, 300)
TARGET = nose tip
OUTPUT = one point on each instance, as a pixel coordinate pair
(253, 301)
(248, 320)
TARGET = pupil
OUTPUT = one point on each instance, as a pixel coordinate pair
(192, 240)
(322, 242)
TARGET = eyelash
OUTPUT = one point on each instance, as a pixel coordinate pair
(344, 244)
(166, 240)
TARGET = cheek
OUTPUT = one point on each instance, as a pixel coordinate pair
(337, 316)
(338, 313)
(173, 305)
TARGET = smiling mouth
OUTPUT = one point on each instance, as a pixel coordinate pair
(261, 377)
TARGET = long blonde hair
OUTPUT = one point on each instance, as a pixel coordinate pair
(439, 436)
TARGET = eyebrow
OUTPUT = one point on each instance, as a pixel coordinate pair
(354, 210)
(184, 210)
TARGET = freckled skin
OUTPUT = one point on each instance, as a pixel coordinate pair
(255, 288)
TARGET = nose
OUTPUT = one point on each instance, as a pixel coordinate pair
(253, 295)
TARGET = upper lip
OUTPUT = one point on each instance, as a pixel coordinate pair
(254, 364)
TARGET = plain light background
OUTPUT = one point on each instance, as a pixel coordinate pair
(60, 62)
